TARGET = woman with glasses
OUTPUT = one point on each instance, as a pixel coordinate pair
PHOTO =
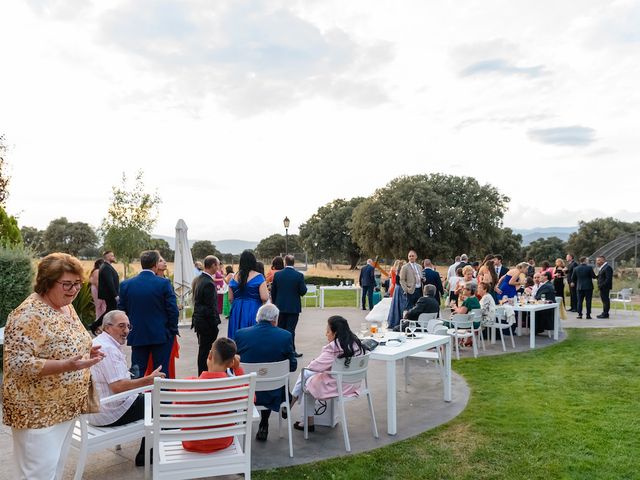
(47, 356)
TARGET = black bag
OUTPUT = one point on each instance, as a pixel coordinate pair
(369, 344)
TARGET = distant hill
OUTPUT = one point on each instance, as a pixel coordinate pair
(225, 246)
(531, 234)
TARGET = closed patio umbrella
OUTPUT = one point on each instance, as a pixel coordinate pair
(183, 264)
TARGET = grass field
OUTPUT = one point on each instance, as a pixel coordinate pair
(566, 411)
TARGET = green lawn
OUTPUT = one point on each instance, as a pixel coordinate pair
(336, 298)
(567, 411)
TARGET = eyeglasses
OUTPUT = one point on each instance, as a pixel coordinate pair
(123, 326)
(68, 286)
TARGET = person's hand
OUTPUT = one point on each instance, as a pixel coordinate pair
(236, 362)
(156, 373)
(96, 353)
(573, 284)
(78, 363)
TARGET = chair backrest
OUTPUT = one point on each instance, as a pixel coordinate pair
(425, 318)
(270, 376)
(440, 330)
(202, 409)
(500, 313)
(462, 320)
(433, 324)
(625, 293)
(355, 372)
(312, 289)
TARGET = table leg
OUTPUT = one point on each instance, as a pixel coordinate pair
(519, 329)
(392, 427)
(556, 322)
(532, 329)
(447, 371)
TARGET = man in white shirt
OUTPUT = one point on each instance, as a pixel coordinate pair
(111, 376)
(451, 272)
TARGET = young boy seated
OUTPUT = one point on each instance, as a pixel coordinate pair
(221, 362)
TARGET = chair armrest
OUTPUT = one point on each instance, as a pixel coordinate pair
(148, 419)
(126, 393)
(304, 383)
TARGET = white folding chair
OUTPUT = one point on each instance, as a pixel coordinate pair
(623, 297)
(345, 373)
(189, 410)
(501, 323)
(424, 319)
(273, 376)
(87, 438)
(312, 293)
(461, 329)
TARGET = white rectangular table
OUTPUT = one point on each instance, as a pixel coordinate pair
(354, 288)
(391, 354)
(532, 309)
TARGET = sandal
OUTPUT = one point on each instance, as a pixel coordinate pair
(300, 426)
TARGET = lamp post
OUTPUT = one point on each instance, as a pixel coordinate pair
(286, 223)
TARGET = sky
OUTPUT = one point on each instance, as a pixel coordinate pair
(243, 112)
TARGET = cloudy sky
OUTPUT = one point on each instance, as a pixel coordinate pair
(242, 112)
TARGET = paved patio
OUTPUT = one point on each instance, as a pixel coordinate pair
(420, 409)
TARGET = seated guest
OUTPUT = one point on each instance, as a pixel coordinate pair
(222, 359)
(112, 376)
(487, 303)
(265, 342)
(467, 279)
(426, 304)
(343, 343)
(533, 289)
(544, 318)
(470, 303)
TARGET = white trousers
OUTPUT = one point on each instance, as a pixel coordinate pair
(40, 453)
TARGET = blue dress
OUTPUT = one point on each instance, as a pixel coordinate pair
(506, 289)
(398, 305)
(246, 303)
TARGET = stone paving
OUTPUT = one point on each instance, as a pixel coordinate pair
(419, 409)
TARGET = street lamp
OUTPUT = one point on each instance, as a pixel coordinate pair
(286, 223)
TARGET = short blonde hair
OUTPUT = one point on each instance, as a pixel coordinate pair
(522, 266)
(467, 269)
(559, 262)
(52, 267)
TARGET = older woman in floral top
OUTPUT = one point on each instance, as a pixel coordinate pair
(47, 355)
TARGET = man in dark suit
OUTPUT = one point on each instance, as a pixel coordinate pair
(287, 288)
(426, 304)
(206, 318)
(431, 277)
(108, 281)
(265, 342)
(582, 280)
(573, 294)
(605, 284)
(544, 318)
(150, 303)
(531, 269)
(367, 283)
(501, 270)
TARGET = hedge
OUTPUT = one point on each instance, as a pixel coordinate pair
(16, 279)
(314, 280)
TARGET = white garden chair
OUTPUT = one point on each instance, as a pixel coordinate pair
(199, 410)
(461, 329)
(272, 376)
(434, 327)
(423, 321)
(312, 293)
(623, 297)
(501, 323)
(353, 373)
(87, 438)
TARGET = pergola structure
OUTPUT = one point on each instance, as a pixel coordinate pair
(612, 250)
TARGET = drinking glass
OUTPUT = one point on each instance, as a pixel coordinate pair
(364, 328)
(412, 328)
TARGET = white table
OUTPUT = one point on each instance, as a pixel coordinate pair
(353, 288)
(532, 309)
(391, 354)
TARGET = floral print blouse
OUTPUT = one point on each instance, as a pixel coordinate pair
(34, 333)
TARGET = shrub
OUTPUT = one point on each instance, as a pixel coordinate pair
(84, 306)
(16, 278)
(314, 280)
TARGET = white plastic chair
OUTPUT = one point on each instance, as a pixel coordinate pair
(623, 297)
(353, 373)
(312, 292)
(476, 316)
(87, 438)
(434, 327)
(198, 410)
(461, 329)
(272, 376)
(423, 321)
(501, 323)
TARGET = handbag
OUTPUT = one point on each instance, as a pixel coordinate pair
(93, 399)
(369, 344)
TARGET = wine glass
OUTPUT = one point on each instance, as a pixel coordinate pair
(364, 328)
(412, 328)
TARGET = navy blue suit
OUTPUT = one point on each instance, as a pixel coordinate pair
(262, 343)
(367, 283)
(582, 277)
(431, 277)
(287, 288)
(150, 303)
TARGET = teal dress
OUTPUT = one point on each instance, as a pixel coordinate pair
(245, 305)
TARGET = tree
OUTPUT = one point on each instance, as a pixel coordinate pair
(130, 218)
(546, 249)
(507, 244)
(9, 231)
(33, 239)
(202, 248)
(277, 244)
(597, 233)
(163, 247)
(328, 232)
(437, 215)
(4, 178)
(68, 237)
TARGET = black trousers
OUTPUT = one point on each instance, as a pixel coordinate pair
(412, 298)
(289, 321)
(133, 414)
(574, 297)
(606, 302)
(112, 304)
(585, 295)
(205, 340)
(367, 292)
